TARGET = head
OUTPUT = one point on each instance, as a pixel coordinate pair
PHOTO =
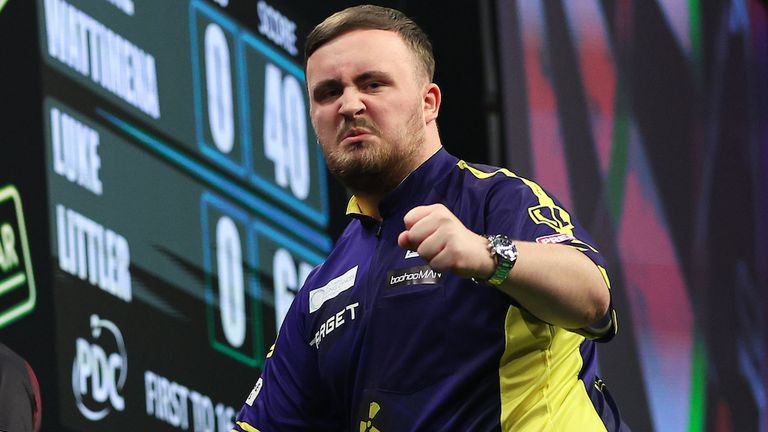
(372, 101)
(373, 17)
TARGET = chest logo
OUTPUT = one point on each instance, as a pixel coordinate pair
(411, 254)
(334, 287)
(367, 425)
(413, 276)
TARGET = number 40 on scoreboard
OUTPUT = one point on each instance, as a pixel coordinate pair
(251, 114)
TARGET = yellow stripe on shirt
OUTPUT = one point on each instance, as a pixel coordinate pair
(246, 427)
(538, 371)
(546, 212)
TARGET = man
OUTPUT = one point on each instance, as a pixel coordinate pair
(447, 303)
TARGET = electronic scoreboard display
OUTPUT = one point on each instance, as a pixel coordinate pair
(187, 200)
(163, 196)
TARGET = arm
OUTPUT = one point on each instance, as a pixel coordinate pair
(556, 283)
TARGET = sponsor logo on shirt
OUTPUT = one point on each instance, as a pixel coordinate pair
(366, 425)
(554, 238)
(254, 392)
(552, 216)
(334, 322)
(411, 254)
(333, 288)
(413, 275)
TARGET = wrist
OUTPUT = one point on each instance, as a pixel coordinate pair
(487, 266)
(502, 252)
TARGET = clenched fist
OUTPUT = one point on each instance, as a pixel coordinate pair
(440, 238)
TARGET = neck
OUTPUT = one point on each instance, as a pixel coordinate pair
(369, 201)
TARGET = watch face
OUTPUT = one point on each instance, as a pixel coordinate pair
(505, 247)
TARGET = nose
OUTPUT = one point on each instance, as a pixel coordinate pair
(350, 104)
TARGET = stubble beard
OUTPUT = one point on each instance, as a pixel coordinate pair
(376, 168)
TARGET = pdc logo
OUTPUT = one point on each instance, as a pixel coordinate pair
(99, 370)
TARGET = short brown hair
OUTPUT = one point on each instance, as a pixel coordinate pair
(378, 18)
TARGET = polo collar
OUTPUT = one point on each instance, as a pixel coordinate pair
(411, 191)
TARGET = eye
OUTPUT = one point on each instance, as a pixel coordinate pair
(326, 94)
(375, 85)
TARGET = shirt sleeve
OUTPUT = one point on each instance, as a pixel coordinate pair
(288, 395)
(523, 210)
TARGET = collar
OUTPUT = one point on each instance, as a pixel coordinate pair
(411, 191)
(353, 207)
(355, 211)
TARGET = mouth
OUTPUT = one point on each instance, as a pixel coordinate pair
(355, 135)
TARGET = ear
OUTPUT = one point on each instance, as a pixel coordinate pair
(432, 99)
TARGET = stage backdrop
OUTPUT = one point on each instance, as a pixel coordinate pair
(649, 119)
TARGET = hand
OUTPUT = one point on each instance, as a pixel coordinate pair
(440, 238)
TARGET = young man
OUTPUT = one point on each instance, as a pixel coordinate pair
(460, 297)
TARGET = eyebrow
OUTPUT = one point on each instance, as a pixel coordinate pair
(368, 75)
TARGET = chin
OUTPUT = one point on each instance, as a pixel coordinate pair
(356, 147)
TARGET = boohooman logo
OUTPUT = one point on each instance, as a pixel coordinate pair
(413, 276)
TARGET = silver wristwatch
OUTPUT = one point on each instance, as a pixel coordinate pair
(503, 250)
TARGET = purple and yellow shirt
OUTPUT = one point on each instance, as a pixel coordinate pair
(376, 340)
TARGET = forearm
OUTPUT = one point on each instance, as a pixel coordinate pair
(557, 284)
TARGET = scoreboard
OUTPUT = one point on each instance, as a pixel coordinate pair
(187, 201)
(163, 196)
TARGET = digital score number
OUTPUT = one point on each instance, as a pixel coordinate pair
(251, 113)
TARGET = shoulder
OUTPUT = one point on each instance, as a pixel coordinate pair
(515, 203)
(496, 180)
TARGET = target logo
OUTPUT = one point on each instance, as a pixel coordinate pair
(99, 370)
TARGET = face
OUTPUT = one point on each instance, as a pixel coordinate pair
(367, 108)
